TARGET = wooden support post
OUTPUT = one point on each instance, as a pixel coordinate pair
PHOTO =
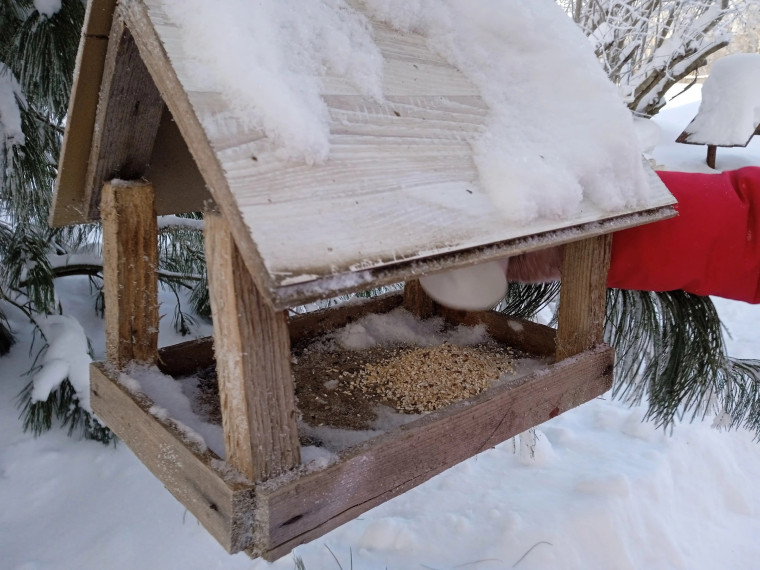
(712, 152)
(130, 259)
(584, 294)
(416, 301)
(252, 347)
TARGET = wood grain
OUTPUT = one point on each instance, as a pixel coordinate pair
(224, 508)
(315, 323)
(527, 336)
(417, 301)
(583, 296)
(130, 260)
(252, 348)
(186, 358)
(418, 207)
(390, 465)
(69, 200)
(128, 115)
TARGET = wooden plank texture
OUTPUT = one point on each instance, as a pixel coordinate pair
(186, 358)
(224, 508)
(69, 200)
(417, 301)
(128, 115)
(389, 465)
(583, 296)
(525, 335)
(252, 347)
(130, 260)
(418, 207)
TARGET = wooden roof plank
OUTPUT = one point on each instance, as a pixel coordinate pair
(68, 200)
(163, 70)
(127, 119)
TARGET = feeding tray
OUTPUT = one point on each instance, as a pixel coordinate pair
(143, 137)
(272, 517)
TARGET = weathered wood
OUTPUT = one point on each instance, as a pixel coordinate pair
(417, 301)
(128, 115)
(252, 347)
(186, 358)
(315, 323)
(521, 334)
(69, 201)
(391, 464)
(130, 260)
(712, 152)
(432, 214)
(223, 507)
(172, 168)
(583, 295)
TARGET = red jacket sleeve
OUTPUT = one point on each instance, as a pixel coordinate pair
(711, 248)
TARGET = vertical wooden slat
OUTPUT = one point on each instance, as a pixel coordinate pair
(127, 119)
(130, 259)
(583, 298)
(252, 347)
(416, 301)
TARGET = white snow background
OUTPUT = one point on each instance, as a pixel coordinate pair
(610, 491)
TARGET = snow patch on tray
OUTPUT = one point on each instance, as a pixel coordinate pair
(401, 327)
(730, 109)
(171, 404)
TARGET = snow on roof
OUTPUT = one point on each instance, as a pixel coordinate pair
(730, 110)
(351, 142)
(556, 132)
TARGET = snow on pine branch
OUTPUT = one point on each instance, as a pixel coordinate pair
(177, 222)
(10, 114)
(66, 356)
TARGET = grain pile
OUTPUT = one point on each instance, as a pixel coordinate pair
(415, 380)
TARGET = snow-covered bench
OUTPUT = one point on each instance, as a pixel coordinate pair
(729, 114)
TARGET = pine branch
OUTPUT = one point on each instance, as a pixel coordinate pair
(671, 355)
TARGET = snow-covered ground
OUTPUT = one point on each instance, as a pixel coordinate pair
(607, 490)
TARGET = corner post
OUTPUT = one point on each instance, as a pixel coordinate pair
(416, 301)
(252, 347)
(583, 298)
(130, 260)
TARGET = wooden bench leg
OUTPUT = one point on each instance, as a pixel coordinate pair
(712, 152)
(252, 347)
(583, 298)
(130, 259)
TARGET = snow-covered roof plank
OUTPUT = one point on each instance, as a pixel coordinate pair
(127, 120)
(398, 195)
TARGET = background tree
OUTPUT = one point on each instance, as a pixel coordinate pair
(38, 46)
(647, 46)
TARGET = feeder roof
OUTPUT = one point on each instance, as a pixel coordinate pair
(406, 175)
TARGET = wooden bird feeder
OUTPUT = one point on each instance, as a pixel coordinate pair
(276, 237)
